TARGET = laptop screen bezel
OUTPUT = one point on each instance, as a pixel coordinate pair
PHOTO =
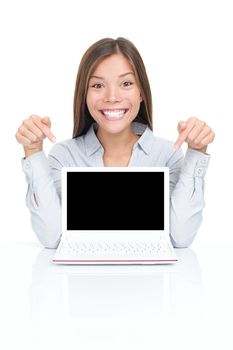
(115, 234)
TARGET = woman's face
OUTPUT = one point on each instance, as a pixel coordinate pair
(113, 95)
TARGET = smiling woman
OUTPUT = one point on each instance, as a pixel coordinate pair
(114, 101)
(113, 127)
(116, 69)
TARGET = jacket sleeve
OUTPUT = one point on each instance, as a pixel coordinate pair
(186, 195)
(44, 198)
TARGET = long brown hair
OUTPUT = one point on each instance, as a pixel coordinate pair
(90, 60)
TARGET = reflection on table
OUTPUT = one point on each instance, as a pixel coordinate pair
(113, 291)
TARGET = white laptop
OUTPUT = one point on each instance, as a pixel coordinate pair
(115, 215)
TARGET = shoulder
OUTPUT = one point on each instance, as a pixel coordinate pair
(65, 145)
(65, 151)
(165, 145)
(163, 142)
(160, 146)
(167, 148)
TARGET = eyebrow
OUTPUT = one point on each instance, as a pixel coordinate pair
(120, 76)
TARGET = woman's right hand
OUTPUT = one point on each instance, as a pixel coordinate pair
(32, 133)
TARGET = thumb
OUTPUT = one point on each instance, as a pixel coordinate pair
(46, 121)
(181, 126)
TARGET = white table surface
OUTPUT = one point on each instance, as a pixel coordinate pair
(46, 306)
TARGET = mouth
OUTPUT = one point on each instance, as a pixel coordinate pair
(114, 114)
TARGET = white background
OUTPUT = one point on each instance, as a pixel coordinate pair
(187, 49)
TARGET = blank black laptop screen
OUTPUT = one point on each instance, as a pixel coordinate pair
(115, 200)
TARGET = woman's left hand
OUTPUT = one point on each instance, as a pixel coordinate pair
(196, 133)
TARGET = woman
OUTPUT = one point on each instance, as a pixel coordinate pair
(113, 127)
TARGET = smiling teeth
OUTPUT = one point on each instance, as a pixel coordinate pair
(117, 114)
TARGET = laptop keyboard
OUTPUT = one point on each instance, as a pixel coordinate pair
(98, 250)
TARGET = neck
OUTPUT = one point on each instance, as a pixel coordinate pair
(116, 144)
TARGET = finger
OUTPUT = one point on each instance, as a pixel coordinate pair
(25, 132)
(22, 139)
(181, 126)
(183, 135)
(46, 121)
(44, 128)
(30, 125)
(205, 132)
(208, 139)
(196, 131)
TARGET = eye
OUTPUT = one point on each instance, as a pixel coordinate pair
(97, 86)
(127, 83)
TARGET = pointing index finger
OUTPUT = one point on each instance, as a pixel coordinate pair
(182, 137)
(49, 134)
(184, 134)
(46, 130)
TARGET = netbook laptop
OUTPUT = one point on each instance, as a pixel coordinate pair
(115, 215)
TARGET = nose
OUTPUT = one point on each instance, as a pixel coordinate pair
(112, 95)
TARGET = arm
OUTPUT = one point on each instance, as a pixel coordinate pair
(43, 200)
(186, 195)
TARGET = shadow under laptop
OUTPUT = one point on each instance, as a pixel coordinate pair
(82, 292)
